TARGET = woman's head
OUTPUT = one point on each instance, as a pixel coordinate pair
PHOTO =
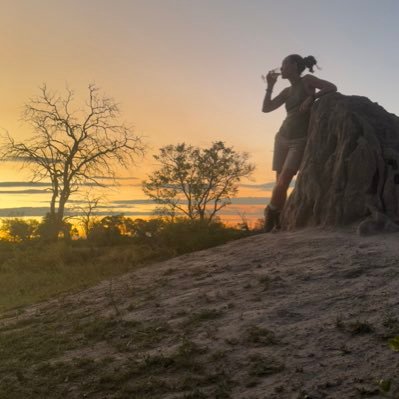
(294, 65)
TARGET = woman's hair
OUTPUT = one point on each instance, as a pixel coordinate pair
(303, 62)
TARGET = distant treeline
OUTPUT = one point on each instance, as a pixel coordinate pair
(33, 268)
(119, 229)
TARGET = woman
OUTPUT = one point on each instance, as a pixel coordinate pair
(290, 141)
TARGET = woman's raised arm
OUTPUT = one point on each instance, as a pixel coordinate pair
(269, 104)
(323, 86)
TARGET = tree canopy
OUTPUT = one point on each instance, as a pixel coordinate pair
(196, 182)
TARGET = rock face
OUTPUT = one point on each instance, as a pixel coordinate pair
(350, 169)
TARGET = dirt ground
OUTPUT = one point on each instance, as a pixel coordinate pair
(305, 314)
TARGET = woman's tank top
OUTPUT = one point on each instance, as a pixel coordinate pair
(295, 125)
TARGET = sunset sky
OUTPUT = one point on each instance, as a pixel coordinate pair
(186, 71)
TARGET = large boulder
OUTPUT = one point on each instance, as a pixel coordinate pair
(350, 168)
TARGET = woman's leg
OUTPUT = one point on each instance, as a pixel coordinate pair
(289, 169)
(279, 194)
(288, 161)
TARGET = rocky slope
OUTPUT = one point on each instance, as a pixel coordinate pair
(306, 314)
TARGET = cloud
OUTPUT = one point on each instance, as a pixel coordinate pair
(250, 200)
(106, 209)
(127, 213)
(28, 159)
(15, 159)
(24, 211)
(116, 178)
(119, 208)
(234, 201)
(264, 186)
(134, 201)
(232, 211)
(41, 211)
(17, 184)
(18, 192)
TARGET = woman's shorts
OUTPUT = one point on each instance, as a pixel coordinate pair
(288, 153)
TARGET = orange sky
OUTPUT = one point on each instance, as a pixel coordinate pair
(189, 70)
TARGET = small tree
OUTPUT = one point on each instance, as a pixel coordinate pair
(86, 211)
(197, 182)
(146, 231)
(71, 148)
(18, 229)
(46, 228)
(109, 230)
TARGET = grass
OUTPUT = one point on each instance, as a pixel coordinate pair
(34, 271)
(261, 366)
(76, 350)
(259, 336)
(47, 357)
(35, 274)
(196, 319)
(265, 281)
(391, 326)
(56, 357)
(356, 327)
(121, 334)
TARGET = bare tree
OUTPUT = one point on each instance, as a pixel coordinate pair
(85, 212)
(197, 182)
(72, 148)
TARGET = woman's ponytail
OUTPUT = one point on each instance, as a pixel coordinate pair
(310, 62)
(303, 62)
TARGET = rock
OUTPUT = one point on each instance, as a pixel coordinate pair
(350, 168)
(377, 222)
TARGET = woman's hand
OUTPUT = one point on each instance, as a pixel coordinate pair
(307, 104)
(271, 79)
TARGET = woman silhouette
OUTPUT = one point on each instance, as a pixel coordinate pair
(290, 141)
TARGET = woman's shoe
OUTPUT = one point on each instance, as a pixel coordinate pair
(272, 217)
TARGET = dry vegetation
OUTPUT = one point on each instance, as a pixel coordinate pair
(35, 270)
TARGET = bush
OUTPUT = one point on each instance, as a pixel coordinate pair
(185, 235)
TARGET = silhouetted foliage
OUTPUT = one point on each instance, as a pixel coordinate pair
(110, 230)
(147, 231)
(37, 269)
(19, 230)
(85, 212)
(196, 182)
(187, 235)
(71, 148)
(50, 227)
(175, 237)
